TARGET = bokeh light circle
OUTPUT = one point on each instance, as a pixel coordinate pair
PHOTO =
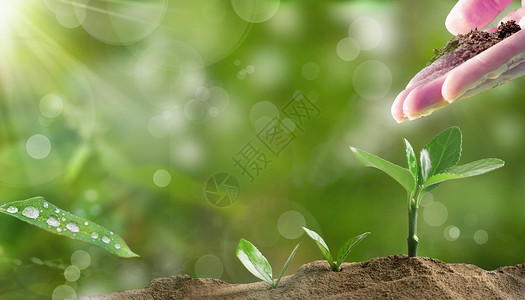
(290, 224)
(123, 22)
(81, 259)
(435, 214)
(162, 178)
(372, 79)
(263, 109)
(255, 11)
(451, 233)
(72, 273)
(367, 31)
(348, 49)
(51, 106)
(62, 292)
(38, 146)
(481, 237)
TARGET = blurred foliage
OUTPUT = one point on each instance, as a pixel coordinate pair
(121, 111)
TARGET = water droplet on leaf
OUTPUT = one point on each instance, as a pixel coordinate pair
(53, 221)
(73, 227)
(31, 212)
(94, 235)
(105, 239)
(117, 246)
(12, 209)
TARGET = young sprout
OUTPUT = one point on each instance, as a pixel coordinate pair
(437, 163)
(257, 264)
(343, 252)
(40, 213)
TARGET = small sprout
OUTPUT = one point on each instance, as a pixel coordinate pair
(343, 252)
(257, 264)
(437, 163)
(40, 213)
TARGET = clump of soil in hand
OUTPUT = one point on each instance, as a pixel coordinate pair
(392, 277)
(468, 45)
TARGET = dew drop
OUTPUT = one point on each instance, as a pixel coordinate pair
(73, 227)
(12, 209)
(117, 246)
(53, 221)
(105, 239)
(94, 235)
(86, 223)
(59, 229)
(63, 219)
(57, 210)
(31, 212)
(111, 232)
(46, 205)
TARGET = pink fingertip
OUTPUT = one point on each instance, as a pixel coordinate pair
(470, 14)
(423, 100)
(397, 107)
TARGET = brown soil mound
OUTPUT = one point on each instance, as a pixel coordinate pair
(392, 277)
(466, 46)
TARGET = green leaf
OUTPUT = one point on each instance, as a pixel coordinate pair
(347, 247)
(441, 153)
(38, 212)
(401, 175)
(475, 168)
(322, 246)
(254, 261)
(286, 265)
(411, 162)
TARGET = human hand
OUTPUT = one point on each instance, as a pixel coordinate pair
(435, 86)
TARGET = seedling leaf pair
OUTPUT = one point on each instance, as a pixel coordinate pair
(258, 265)
(437, 163)
(40, 213)
(343, 252)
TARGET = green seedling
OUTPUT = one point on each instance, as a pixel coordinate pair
(40, 213)
(437, 163)
(343, 252)
(257, 264)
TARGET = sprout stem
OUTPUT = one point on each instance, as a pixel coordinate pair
(412, 239)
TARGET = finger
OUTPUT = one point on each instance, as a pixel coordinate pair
(511, 74)
(487, 65)
(470, 14)
(424, 99)
(397, 106)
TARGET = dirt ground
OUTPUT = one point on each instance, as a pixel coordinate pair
(392, 277)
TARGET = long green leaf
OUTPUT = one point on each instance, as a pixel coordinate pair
(254, 261)
(38, 212)
(401, 175)
(322, 246)
(441, 153)
(347, 247)
(286, 265)
(475, 168)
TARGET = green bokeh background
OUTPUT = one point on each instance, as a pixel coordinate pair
(182, 86)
